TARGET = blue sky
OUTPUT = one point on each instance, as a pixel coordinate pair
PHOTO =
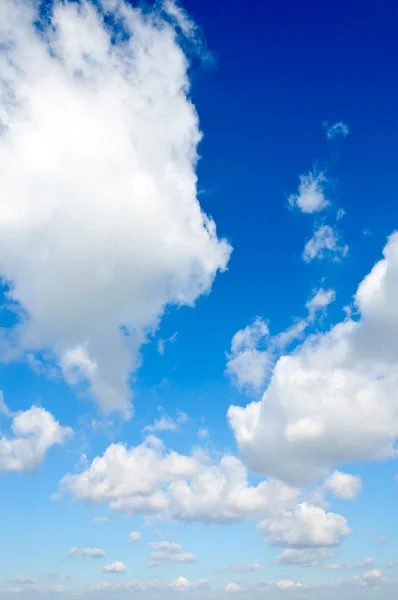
(199, 271)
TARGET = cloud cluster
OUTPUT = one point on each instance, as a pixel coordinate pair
(34, 432)
(166, 552)
(88, 552)
(325, 243)
(104, 229)
(148, 479)
(332, 400)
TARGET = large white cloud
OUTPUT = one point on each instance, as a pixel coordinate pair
(100, 226)
(304, 527)
(34, 431)
(145, 479)
(333, 400)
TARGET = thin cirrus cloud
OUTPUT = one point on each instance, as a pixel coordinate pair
(86, 552)
(104, 229)
(339, 129)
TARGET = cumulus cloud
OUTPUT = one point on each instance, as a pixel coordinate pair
(254, 351)
(343, 485)
(369, 578)
(182, 584)
(116, 567)
(337, 129)
(366, 563)
(305, 526)
(249, 362)
(311, 193)
(103, 229)
(147, 479)
(134, 536)
(325, 243)
(34, 432)
(331, 401)
(304, 557)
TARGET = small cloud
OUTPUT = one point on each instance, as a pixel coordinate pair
(167, 423)
(134, 536)
(203, 433)
(116, 567)
(337, 567)
(87, 552)
(366, 232)
(233, 587)
(100, 520)
(367, 563)
(162, 343)
(311, 194)
(23, 580)
(324, 244)
(340, 214)
(382, 539)
(338, 129)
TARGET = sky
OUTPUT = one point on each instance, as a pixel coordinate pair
(198, 282)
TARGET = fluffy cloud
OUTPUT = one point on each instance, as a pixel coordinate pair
(338, 129)
(116, 567)
(147, 479)
(254, 351)
(33, 433)
(324, 243)
(134, 536)
(332, 401)
(169, 552)
(305, 526)
(248, 362)
(182, 584)
(304, 557)
(104, 229)
(369, 578)
(343, 485)
(311, 195)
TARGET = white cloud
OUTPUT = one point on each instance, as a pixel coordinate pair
(338, 129)
(162, 343)
(146, 479)
(34, 432)
(248, 363)
(324, 243)
(100, 520)
(203, 433)
(304, 527)
(343, 485)
(366, 563)
(337, 567)
(93, 552)
(331, 401)
(87, 552)
(182, 584)
(116, 567)
(369, 578)
(166, 546)
(134, 536)
(167, 423)
(311, 557)
(233, 587)
(100, 226)
(254, 351)
(311, 194)
(165, 557)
